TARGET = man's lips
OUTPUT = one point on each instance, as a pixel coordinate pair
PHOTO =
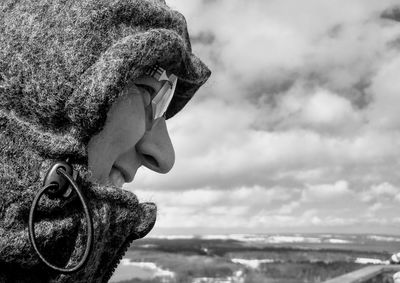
(119, 176)
(116, 178)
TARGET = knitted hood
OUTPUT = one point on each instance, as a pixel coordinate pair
(62, 65)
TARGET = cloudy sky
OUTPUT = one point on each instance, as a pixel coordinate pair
(297, 130)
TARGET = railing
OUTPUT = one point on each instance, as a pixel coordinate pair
(366, 274)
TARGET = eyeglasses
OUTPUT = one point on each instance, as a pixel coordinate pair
(160, 102)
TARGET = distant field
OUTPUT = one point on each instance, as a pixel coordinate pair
(251, 258)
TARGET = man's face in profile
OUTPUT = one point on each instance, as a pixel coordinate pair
(130, 138)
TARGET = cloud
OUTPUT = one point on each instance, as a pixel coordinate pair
(392, 13)
(383, 191)
(294, 89)
(276, 42)
(375, 207)
(324, 192)
(250, 157)
(288, 208)
(253, 197)
(318, 110)
(383, 113)
(301, 109)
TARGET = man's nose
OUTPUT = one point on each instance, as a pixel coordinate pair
(156, 148)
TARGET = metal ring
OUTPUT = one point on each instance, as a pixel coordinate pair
(88, 221)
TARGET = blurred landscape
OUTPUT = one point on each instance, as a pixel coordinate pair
(272, 258)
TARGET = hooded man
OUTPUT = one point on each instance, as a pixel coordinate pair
(89, 83)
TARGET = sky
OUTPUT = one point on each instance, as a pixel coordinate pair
(297, 130)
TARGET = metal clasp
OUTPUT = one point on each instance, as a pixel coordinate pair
(58, 182)
(61, 186)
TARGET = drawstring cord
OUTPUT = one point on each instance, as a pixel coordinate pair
(50, 188)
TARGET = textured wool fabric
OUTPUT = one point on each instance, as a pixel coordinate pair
(62, 65)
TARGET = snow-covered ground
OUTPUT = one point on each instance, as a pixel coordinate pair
(128, 269)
